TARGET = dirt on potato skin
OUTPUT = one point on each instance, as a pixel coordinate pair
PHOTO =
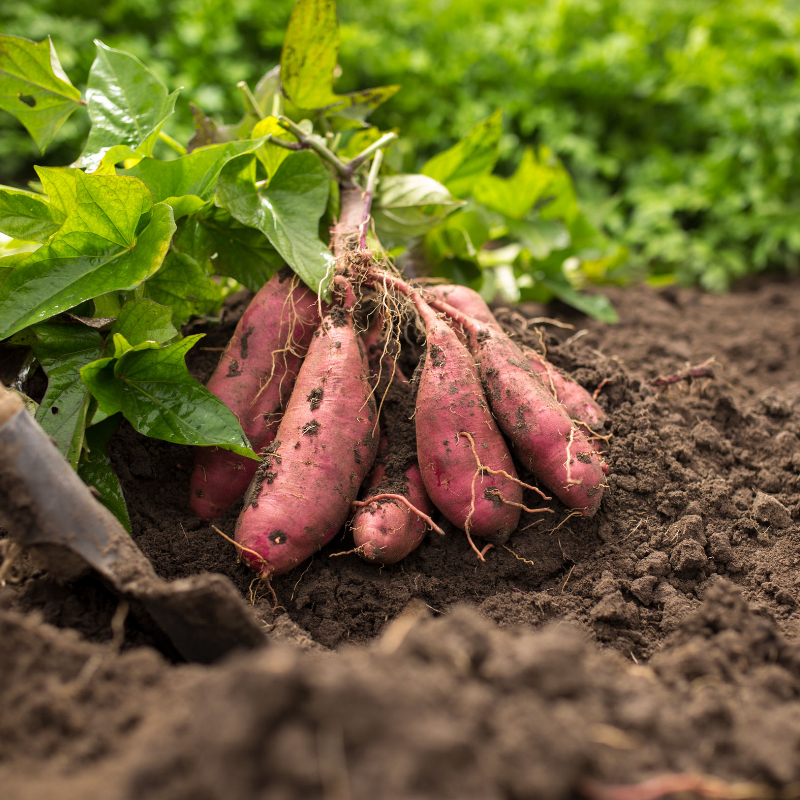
(657, 637)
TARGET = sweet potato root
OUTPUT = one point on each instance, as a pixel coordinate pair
(254, 378)
(457, 436)
(386, 530)
(579, 404)
(324, 447)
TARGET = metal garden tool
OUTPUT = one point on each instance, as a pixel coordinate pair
(43, 502)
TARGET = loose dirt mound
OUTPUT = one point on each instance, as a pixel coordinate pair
(679, 595)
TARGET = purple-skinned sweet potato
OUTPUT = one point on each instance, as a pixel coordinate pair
(254, 378)
(386, 530)
(579, 404)
(324, 447)
(451, 403)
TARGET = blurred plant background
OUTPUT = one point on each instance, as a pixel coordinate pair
(679, 122)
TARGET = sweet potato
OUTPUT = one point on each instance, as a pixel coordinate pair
(542, 435)
(325, 445)
(254, 378)
(455, 429)
(465, 299)
(581, 407)
(386, 529)
(579, 404)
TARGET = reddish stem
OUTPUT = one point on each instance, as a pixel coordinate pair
(351, 214)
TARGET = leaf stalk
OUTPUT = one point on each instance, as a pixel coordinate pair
(324, 153)
(173, 143)
(250, 102)
(369, 193)
(376, 147)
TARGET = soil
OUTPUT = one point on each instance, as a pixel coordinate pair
(656, 642)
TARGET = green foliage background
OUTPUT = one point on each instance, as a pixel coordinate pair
(678, 121)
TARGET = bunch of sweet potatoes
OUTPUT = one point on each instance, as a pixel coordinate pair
(307, 382)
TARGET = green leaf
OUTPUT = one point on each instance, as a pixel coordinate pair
(60, 184)
(310, 52)
(461, 271)
(127, 103)
(272, 155)
(156, 394)
(595, 305)
(584, 234)
(34, 87)
(113, 156)
(540, 236)
(515, 196)
(185, 206)
(287, 210)
(461, 235)
(109, 305)
(235, 250)
(308, 62)
(62, 350)
(7, 266)
(143, 320)
(183, 283)
(192, 174)
(358, 141)
(460, 167)
(359, 105)
(96, 471)
(122, 345)
(563, 203)
(407, 206)
(97, 250)
(26, 216)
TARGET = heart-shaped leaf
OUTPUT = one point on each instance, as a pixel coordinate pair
(99, 248)
(156, 394)
(127, 103)
(287, 210)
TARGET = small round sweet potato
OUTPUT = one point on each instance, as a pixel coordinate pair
(387, 530)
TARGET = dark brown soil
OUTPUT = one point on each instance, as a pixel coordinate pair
(659, 637)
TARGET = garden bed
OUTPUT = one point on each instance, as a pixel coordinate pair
(657, 637)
